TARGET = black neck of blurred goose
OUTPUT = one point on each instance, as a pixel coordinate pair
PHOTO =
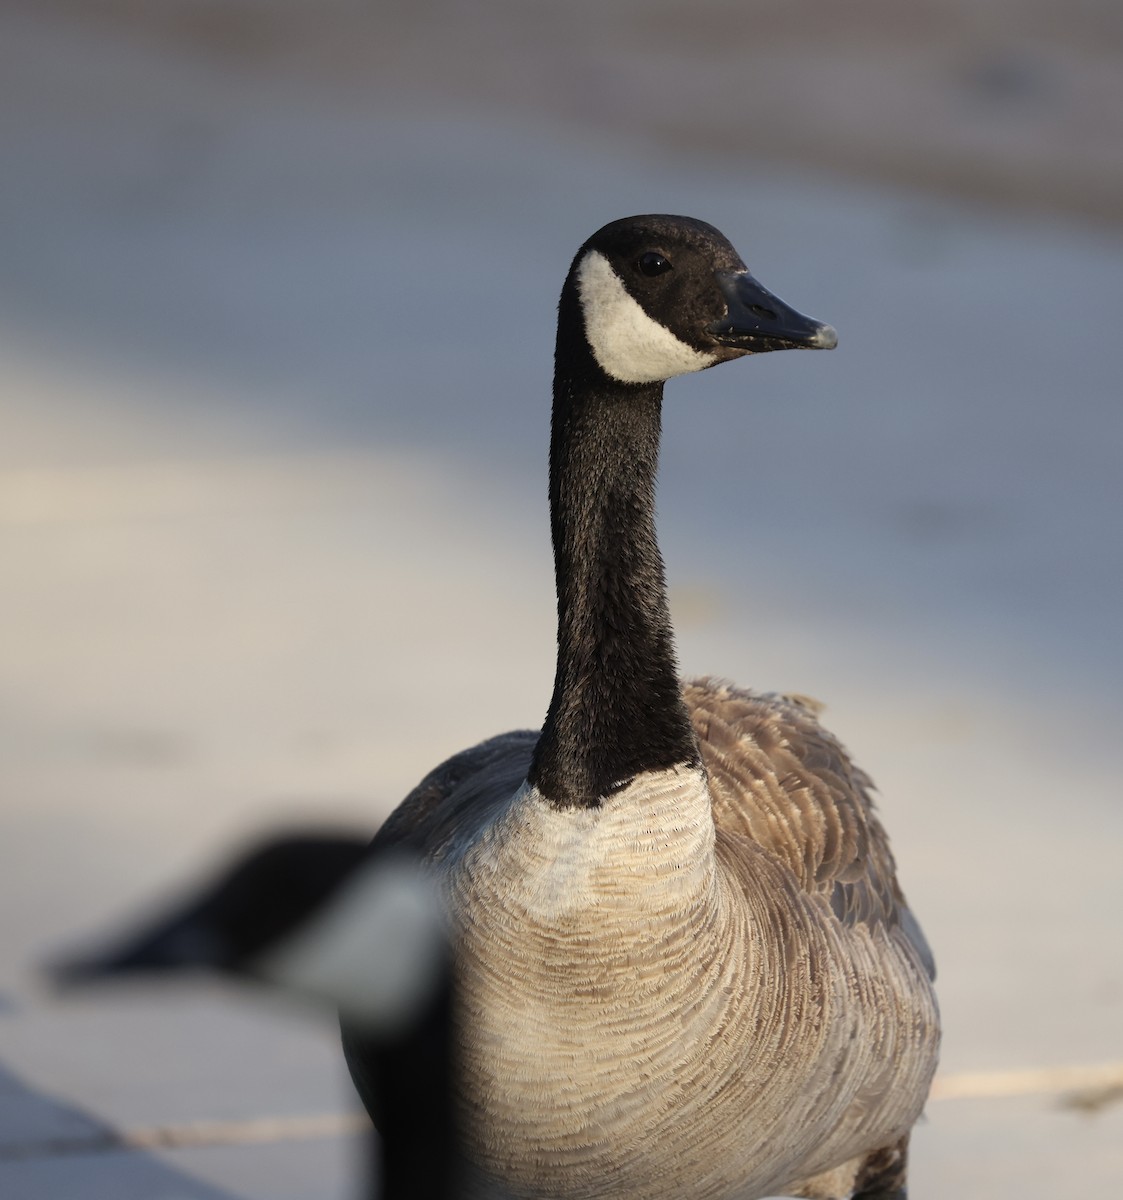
(617, 709)
(418, 1150)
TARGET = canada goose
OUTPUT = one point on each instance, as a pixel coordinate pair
(684, 966)
(323, 916)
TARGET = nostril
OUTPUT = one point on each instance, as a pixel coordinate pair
(765, 313)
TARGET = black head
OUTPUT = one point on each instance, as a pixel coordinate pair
(323, 916)
(661, 296)
(258, 901)
(327, 917)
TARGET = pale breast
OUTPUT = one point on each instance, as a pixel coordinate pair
(639, 1000)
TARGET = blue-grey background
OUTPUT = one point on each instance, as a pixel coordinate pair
(277, 285)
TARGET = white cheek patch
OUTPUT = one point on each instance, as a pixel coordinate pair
(627, 343)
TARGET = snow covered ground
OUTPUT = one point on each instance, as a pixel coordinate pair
(274, 373)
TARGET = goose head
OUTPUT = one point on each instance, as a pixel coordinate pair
(329, 918)
(316, 915)
(659, 296)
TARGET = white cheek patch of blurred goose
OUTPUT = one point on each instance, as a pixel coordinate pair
(377, 952)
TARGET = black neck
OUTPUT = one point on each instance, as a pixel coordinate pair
(617, 708)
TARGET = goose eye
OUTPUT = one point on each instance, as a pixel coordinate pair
(653, 263)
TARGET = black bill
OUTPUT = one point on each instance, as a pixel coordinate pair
(757, 320)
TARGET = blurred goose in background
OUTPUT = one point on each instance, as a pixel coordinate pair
(684, 965)
(322, 917)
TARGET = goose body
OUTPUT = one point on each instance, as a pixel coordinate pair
(684, 966)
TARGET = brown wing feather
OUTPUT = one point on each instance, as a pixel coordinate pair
(778, 777)
(455, 797)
